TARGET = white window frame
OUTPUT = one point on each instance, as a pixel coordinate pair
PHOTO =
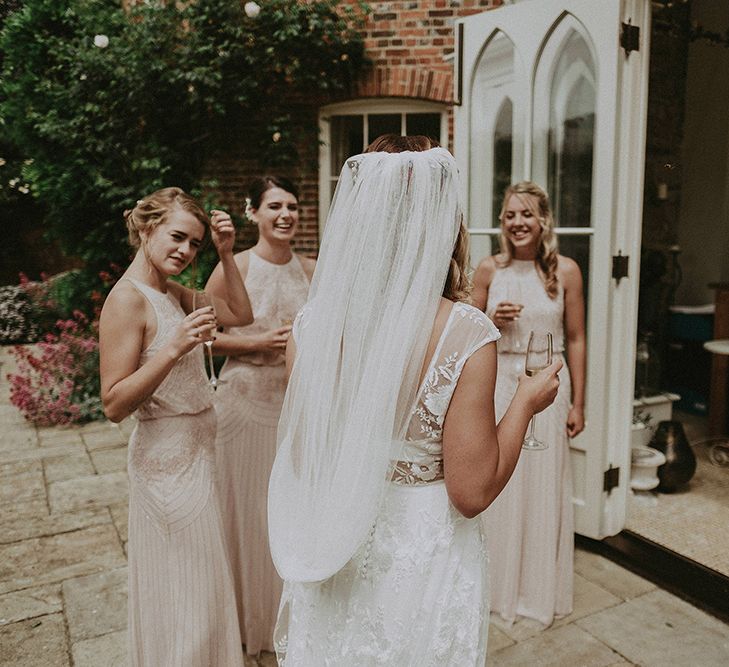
(364, 107)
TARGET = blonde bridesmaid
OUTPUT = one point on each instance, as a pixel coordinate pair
(181, 604)
(529, 286)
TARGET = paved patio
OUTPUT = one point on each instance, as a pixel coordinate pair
(63, 535)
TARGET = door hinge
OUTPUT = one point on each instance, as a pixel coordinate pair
(611, 479)
(630, 37)
(620, 266)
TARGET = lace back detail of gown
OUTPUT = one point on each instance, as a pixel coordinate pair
(416, 592)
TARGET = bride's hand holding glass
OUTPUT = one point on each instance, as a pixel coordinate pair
(542, 376)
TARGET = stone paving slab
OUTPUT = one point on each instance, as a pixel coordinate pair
(60, 468)
(24, 485)
(105, 438)
(38, 453)
(50, 559)
(660, 630)
(120, 516)
(89, 491)
(622, 583)
(29, 603)
(18, 439)
(25, 522)
(96, 604)
(113, 648)
(110, 460)
(38, 642)
(558, 647)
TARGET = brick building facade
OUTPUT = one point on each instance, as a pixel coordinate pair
(410, 47)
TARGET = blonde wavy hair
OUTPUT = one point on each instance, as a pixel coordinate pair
(547, 250)
(458, 284)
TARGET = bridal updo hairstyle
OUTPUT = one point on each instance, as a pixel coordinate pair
(153, 210)
(458, 283)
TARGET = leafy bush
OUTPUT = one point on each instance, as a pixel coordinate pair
(109, 104)
(17, 322)
(58, 379)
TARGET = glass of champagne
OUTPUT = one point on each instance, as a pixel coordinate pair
(201, 299)
(538, 357)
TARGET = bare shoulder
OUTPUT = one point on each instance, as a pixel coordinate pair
(568, 270)
(122, 296)
(485, 269)
(308, 264)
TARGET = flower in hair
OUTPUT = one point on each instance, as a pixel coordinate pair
(140, 202)
(249, 210)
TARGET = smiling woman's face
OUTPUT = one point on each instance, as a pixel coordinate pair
(172, 245)
(521, 227)
(278, 215)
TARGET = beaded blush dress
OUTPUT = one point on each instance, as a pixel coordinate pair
(248, 402)
(530, 525)
(181, 604)
(416, 592)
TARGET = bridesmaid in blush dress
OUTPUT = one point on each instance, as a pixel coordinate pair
(249, 398)
(529, 287)
(181, 603)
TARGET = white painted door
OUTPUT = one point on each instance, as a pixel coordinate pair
(551, 91)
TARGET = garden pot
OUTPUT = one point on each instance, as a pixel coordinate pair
(680, 464)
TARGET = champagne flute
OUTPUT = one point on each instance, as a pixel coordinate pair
(538, 357)
(201, 299)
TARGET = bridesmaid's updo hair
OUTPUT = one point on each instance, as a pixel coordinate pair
(458, 283)
(153, 210)
(547, 258)
(260, 184)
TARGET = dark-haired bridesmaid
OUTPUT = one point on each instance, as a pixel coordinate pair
(250, 396)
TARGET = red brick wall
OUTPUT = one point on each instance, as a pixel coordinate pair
(406, 42)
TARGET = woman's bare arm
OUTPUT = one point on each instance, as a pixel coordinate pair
(574, 324)
(479, 456)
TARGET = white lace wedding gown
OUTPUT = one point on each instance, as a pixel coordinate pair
(416, 592)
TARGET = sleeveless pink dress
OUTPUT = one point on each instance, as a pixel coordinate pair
(530, 525)
(248, 403)
(181, 604)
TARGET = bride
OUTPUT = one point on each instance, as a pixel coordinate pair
(388, 445)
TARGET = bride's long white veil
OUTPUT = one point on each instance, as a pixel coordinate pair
(360, 350)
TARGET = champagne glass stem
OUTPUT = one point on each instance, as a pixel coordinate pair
(532, 422)
(213, 377)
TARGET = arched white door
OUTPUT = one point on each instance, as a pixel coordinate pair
(555, 91)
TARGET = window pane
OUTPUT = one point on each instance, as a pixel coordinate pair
(427, 124)
(571, 134)
(503, 145)
(383, 123)
(346, 139)
(578, 248)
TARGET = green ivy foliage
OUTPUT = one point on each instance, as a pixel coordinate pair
(100, 126)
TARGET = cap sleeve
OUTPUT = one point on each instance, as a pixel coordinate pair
(475, 329)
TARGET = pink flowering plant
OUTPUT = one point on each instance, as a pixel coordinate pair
(58, 378)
